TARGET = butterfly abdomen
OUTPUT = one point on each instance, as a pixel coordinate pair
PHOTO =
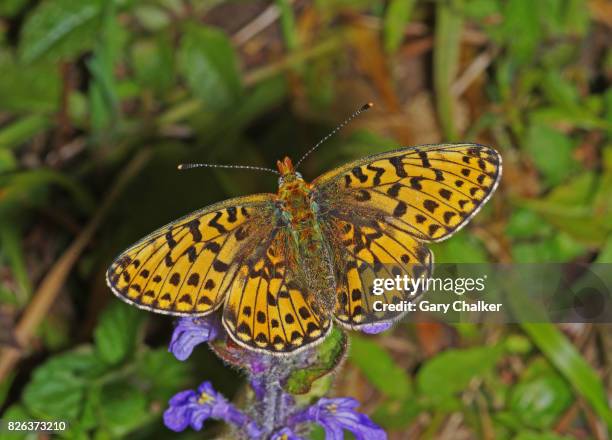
(316, 268)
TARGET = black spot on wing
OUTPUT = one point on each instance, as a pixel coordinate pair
(448, 215)
(358, 173)
(399, 166)
(400, 209)
(379, 172)
(231, 214)
(362, 195)
(220, 266)
(213, 246)
(175, 279)
(193, 280)
(424, 160)
(394, 189)
(445, 194)
(170, 241)
(430, 205)
(214, 223)
(194, 229)
(191, 253)
(186, 299)
(347, 181)
(415, 183)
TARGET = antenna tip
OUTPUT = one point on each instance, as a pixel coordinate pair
(367, 106)
(180, 166)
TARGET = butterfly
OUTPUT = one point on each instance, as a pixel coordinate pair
(283, 267)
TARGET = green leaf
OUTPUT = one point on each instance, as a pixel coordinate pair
(397, 17)
(11, 240)
(21, 130)
(540, 398)
(530, 435)
(451, 371)
(517, 344)
(28, 188)
(59, 29)
(481, 9)
(33, 88)
(577, 17)
(329, 354)
(123, 407)
(9, 8)
(5, 387)
(605, 253)
(551, 151)
(581, 208)
(463, 248)
(103, 91)
(58, 387)
(396, 414)
(521, 29)
(524, 223)
(557, 247)
(153, 63)
(559, 91)
(379, 368)
(8, 162)
(115, 335)
(164, 372)
(16, 413)
(209, 64)
(564, 356)
(550, 14)
(447, 39)
(287, 20)
(152, 17)
(89, 417)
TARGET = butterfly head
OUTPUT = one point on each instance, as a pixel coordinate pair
(287, 172)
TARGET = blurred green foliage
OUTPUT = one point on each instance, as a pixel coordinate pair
(100, 100)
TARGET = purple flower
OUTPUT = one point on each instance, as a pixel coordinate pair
(285, 434)
(378, 327)
(338, 414)
(190, 332)
(191, 408)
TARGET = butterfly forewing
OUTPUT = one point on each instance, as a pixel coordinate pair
(186, 267)
(267, 308)
(429, 191)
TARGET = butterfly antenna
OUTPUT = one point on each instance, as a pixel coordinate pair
(335, 130)
(188, 166)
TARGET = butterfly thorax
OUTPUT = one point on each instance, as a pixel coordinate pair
(295, 198)
(299, 211)
(296, 203)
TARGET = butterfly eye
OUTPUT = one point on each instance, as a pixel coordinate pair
(298, 175)
(280, 181)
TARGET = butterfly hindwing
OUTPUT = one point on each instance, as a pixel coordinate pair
(369, 250)
(186, 267)
(267, 309)
(428, 191)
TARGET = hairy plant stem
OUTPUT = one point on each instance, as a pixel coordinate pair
(275, 404)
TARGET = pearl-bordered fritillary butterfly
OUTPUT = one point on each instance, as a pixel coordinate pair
(283, 266)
